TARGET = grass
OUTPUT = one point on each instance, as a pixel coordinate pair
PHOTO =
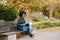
(46, 24)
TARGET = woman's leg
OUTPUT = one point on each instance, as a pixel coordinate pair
(30, 32)
(25, 28)
(28, 28)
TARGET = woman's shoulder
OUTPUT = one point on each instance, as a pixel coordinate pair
(20, 18)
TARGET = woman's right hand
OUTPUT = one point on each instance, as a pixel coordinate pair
(26, 23)
(22, 24)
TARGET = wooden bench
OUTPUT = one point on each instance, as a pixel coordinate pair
(6, 34)
(9, 35)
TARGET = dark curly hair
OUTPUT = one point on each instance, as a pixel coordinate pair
(21, 13)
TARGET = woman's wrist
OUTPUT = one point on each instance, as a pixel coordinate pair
(26, 23)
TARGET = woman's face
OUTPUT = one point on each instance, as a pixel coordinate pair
(23, 15)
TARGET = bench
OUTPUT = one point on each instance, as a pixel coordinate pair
(6, 34)
(9, 35)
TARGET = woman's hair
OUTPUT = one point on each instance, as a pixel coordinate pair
(21, 13)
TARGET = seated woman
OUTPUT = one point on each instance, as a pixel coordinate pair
(22, 25)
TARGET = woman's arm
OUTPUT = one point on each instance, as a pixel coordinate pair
(23, 24)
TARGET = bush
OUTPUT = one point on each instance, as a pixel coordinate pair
(37, 16)
(7, 13)
(58, 17)
(57, 11)
(46, 24)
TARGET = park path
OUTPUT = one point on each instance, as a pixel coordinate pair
(44, 34)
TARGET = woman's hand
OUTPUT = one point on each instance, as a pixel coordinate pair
(23, 24)
(26, 23)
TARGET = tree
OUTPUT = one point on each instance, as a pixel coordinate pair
(32, 4)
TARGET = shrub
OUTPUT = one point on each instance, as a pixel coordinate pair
(46, 24)
(7, 13)
(58, 17)
(37, 16)
(57, 11)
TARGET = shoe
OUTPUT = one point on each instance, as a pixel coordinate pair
(31, 35)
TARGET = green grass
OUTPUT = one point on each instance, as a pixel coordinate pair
(46, 24)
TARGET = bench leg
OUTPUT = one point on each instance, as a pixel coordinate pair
(9, 37)
(12, 37)
(2, 37)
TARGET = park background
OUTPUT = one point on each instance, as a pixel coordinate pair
(43, 13)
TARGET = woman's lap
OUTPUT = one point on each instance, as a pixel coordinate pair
(25, 28)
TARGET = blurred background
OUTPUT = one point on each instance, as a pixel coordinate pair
(39, 11)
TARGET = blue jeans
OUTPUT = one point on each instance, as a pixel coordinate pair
(28, 28)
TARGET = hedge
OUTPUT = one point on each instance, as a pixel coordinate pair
(46, 24)
(7, 13)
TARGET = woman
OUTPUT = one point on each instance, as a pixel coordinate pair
(22, 25)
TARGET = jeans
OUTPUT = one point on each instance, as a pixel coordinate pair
(28, 28)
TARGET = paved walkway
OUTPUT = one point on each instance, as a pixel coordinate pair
(44, 34)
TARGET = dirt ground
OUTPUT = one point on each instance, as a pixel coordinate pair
(43, 34)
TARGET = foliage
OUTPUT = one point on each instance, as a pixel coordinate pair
(7, 13)
(46, 24)
(32, 4)
(37, 16)
(58, 8)
(35, 4)
(57, 11)
(58, 17)
(2, 7)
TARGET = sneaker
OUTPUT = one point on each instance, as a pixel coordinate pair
(31, 35)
